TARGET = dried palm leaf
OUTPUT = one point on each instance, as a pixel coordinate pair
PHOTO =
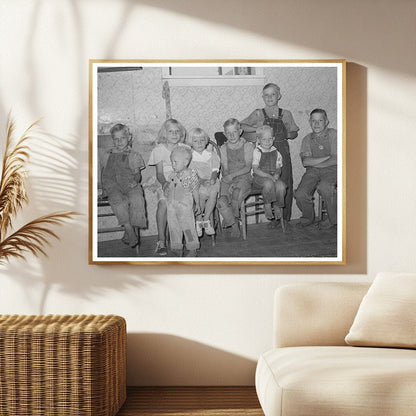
(12, 183)
(32, 237)
(35, 235)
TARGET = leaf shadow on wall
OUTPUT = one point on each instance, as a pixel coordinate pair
(69, 193)
(60, 182)
(75, 145)
(163, 359)
(333, 27)
(53, 187)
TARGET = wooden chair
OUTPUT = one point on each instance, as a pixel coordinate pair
(216, 224)
(216, 221)
(322, 213)
(258, 208)
(322, 210)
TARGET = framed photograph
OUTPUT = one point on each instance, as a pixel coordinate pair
(217, 162)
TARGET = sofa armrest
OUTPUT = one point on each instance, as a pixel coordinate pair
(308, 314)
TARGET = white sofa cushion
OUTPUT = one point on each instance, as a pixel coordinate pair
(341, 381)
(315, 313)
(387, 314)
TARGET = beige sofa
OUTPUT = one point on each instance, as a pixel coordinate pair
(311, 370)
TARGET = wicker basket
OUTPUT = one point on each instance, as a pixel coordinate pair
(71, 365)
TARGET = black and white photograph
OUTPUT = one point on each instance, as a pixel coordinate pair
(209, 162)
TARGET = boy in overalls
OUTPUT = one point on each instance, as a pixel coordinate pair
(319, 156)
(181, 193)
(284, 129)
(121, 178)
(236, 156)
(267, 168)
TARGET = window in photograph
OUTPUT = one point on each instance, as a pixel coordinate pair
(213, 75)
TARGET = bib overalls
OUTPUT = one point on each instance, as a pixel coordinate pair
(272, 191)
(126, 202)
(281, 144)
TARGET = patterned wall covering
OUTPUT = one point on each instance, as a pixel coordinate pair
(135, 98)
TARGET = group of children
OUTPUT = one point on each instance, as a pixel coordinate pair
(196, 176)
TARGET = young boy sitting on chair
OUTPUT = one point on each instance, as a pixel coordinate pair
(236, 160)
(267, 167)
(121, 178)
(319, 156)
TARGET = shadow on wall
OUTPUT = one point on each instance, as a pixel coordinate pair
(234, 13)
(356, 169)
(38, 286)
(333, 27)
(56, 185)
(53, 187)
(161, 359)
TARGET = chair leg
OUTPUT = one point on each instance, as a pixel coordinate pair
(257, 200)
(137, 232)
(214, 225)
(218, 226)
(243, 219)
(321, 208)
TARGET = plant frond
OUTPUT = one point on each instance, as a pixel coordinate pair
(33, 237)
(12, 182)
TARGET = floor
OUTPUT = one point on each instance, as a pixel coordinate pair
(191, 401)
(262, 241)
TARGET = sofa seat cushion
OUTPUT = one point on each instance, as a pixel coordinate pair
(305, 381)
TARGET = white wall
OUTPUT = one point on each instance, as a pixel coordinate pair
(207, 324)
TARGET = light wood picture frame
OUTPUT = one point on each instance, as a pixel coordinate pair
(139, 96)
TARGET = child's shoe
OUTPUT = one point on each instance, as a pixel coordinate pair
(278, 212)
(160, 249)
(209, 229)
(124, 239)
(131, 238)
(177, 252)
(305, 222)
(326, 225)
(235, 230)
(190, 253)
(272, 224)
(268, 212)
(199, 227)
